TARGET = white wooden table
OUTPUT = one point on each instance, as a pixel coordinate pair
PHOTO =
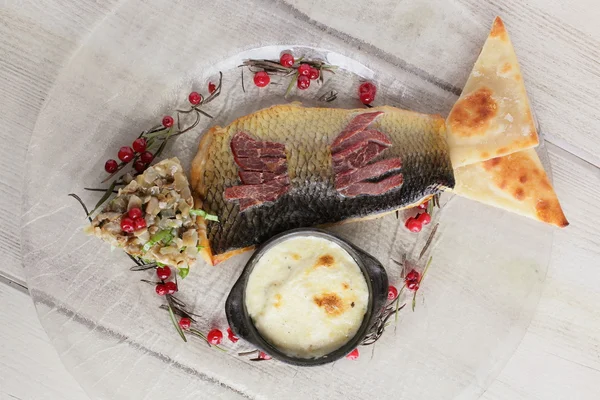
(559, 47)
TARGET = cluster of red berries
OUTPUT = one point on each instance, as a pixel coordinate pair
(306, 73)
(367, 92)
(196, 98)
(415, 224)
(133, 220)
(165, 288)
(128, 153)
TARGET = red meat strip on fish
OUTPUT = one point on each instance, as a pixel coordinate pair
(358, 124)
(359, 140)
(358, 158)
(353, 151)
(262, 170)
(267, 164)
(371, 171)
(257, 177)
(373, 188)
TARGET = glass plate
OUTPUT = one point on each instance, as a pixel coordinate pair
(139, 64)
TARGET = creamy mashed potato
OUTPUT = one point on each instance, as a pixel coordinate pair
(307, 296)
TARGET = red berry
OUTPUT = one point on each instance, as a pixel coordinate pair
(261, 79)
(195, 97)
(135, 213)
(392, 293)
(125, 154)
(424, 218)
(127, 224)
(366, 87)
(353, 355)
(139, 166)
(313, 73)
(304, 69)
(163, 272)
(171, 287)
(185, 323)
(413, 225)
(146, 157)
(215, 337)
(139, 223)
(264, 356)
(161, 289)
(366, 92)
(412, 276)
(423, 206)
(211, 87)
(139, 145)
(111, 166)
(303, 82)
(232, 336)
(413, 285)
(286, 59)
(167, 121)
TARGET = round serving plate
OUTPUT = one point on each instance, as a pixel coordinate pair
(138, 65)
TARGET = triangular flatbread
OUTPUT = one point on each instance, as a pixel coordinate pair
(492, 117)
(168, 233)
(516, 183)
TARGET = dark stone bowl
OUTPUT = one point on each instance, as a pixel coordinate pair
(242, 325)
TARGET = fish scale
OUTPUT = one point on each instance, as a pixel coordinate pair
(307, 133)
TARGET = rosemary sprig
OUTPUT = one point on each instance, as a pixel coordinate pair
(173, 319)
(414, 299)
(87, 213)
(291, 85)
(329, 97)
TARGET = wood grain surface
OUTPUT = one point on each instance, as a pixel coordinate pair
(558, 45)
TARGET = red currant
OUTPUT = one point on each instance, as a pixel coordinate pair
(127, 224)
(264, 356)
(353, 355)
(392, 293)
(287, 60)
(167, 121)
(424, 218)
(171, 287)
(146, 157)
(139, 145)
(161, 289)
(423, 206)
(413, 225)
(111, 166)
(135, 213)
(125, 154)
(185, 323)
(139, 223)
(313, 74)
(366, 92)
(232, 336)
(303, 82)
(366, 87)
(261, 79)
(195, 98)
(139, 166)
(412, 276)
(211, 87)
(304, 69)
(214, 337)
(163, 272)
(413, 285)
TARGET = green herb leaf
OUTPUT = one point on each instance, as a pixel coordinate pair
(204, 214)
(183, 272)
(174, 320)
(291, 85)
(157, 237)
(105, 197)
